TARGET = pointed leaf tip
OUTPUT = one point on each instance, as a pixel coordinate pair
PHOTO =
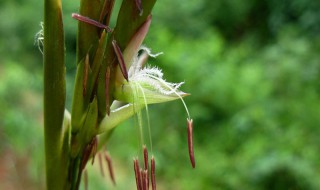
(135, 42)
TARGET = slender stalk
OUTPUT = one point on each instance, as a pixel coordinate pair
(54, 96)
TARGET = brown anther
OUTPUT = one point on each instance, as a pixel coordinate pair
(85, 75)
(90, 21)
(142, 179)
(107, 90)
(190, 142)
(153, 174)
(100, 164)
(85, 179)
(110, 167)
(137, 173)
(122, 64)
(88, 150)
(146, 179)
(94, 145)
(85, 156)
(145, 156)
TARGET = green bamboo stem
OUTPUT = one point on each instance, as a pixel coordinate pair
(54, 97)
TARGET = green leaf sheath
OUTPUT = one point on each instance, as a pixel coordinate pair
(129, 20)
(54, 96)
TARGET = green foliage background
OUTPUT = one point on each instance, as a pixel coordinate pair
(251, 66)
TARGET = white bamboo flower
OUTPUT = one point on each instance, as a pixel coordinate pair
(146, 85)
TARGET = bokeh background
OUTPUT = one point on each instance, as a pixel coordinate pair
(251, 66)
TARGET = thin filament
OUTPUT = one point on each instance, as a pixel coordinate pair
(173, 90)
(138, 119)
(147, 114)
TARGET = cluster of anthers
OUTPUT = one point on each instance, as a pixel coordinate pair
(140, 85)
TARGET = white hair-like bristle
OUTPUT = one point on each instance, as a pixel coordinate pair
(39, 37)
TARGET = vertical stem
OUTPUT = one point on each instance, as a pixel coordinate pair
(54, 96)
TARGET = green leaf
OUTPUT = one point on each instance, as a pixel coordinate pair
(129, 20)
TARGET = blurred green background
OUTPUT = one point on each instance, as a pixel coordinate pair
(251, 66)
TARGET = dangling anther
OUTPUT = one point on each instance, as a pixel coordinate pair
(110, 167)
(94, 144)
(153, 173)
(144, 179)
(120, 59)
(137, 173)
(100, 164)
(145, 156)
(90, 21)
(190, 142)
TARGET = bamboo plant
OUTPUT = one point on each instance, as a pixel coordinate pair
(112, 84)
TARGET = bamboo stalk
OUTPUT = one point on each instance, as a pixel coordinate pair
(54, 96)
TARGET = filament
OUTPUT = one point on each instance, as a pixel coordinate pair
(173, 90)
